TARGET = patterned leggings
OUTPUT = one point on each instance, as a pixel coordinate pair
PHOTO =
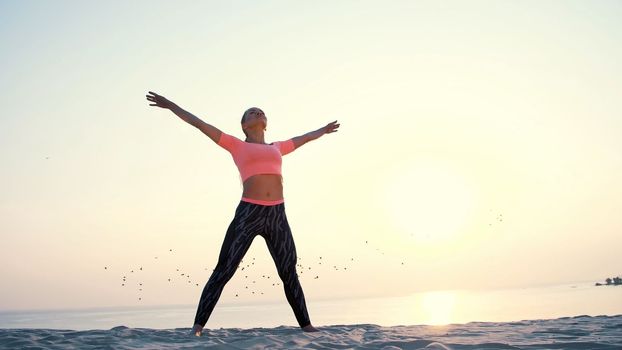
(250, 220)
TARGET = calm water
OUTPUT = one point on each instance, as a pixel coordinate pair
(427, 308)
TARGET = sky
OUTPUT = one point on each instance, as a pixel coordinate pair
(479, 146)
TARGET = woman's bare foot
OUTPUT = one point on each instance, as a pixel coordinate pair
(310, 328)
(197, 329)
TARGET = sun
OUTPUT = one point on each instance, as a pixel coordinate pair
(438, 307)
(429, 200)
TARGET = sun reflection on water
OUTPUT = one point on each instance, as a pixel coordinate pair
(438, 307)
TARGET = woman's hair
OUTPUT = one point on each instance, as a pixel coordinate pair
(242, 122)
(243, 119)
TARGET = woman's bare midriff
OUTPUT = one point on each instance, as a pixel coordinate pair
(268, 187)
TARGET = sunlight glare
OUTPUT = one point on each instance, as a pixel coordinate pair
(438, 307)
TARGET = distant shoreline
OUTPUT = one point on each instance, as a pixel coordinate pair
(616, 281)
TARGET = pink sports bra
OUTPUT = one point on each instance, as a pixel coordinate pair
(254, 158)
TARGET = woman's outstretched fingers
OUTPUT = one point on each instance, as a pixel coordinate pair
(332, 127)
(159, 100)
(152, 99)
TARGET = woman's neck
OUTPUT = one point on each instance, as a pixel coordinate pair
(255, 137)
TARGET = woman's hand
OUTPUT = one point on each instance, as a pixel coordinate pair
(330, 127)
(160, 101)
(186, 116)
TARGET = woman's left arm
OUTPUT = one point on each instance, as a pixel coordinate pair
(312, 135)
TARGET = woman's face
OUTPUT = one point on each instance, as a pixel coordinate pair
(255, 117)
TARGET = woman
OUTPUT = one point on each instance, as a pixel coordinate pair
(261, 210)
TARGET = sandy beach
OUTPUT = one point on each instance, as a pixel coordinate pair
(580, 332)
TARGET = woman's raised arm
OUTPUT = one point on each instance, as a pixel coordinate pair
(160, 101)
(312, 135)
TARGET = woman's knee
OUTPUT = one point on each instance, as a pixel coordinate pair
(288, 273)
(222, 273)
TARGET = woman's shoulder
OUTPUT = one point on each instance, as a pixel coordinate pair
(285, 147)
(228, 141)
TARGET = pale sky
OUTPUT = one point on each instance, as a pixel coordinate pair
(479, 145)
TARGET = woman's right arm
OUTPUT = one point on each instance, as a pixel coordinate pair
(211, 131)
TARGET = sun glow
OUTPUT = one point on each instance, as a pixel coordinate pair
(430, 200)
(438, 307)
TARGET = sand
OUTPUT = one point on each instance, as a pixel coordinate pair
(580, 332)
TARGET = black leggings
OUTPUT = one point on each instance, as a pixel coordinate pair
(270, 222)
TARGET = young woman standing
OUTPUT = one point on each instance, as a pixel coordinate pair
(261, 210)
